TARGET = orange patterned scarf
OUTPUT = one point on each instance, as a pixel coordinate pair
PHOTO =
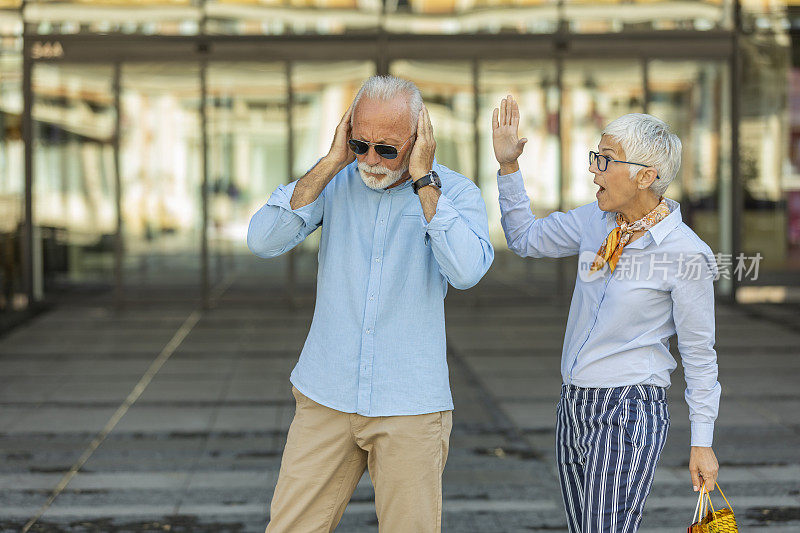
(612, 247)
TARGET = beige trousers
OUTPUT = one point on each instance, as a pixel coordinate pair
(327, 451)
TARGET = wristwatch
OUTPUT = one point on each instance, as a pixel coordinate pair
(431, 178)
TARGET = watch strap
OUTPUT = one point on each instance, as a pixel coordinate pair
(425, 180)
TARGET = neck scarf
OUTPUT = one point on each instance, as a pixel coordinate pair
(611, 249)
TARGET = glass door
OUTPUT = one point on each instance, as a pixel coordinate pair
(246, 108)
(448, 90)
(691, 97)
(596, 92)
(161, 172)
(74, 181)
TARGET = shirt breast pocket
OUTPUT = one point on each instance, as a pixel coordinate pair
(412, 223)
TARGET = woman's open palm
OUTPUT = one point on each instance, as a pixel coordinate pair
(505, 131)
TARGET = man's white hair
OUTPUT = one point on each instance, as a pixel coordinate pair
(647, 140)
(388, 88)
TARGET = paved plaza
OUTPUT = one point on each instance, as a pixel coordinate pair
(197, 446)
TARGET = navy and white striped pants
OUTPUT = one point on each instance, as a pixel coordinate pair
(608, 441)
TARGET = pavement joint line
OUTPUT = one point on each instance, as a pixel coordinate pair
(193, 469)
(670, 504)
(187, 326)
(503, 422)
(183, 331)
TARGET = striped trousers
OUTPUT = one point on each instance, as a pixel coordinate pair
(608, 441)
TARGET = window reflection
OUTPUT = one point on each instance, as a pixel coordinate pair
(763, 162)
(610, 16)
(690, 97)
(322, 93)
(73, 180)
(147, 17)
(595, 93)
(248, 121)
(247, 150)
(447, 88)
(161, 171)
(11, 184)
(533, 85)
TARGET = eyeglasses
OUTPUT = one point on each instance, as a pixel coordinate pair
(602, 162)
(386, 151)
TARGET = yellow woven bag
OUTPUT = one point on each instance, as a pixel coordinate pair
(709, 520)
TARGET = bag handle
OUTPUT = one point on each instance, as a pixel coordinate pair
(723, 496)
(701, 502)
(710, 504)
(698, 510)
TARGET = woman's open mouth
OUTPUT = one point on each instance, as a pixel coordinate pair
(601, 190)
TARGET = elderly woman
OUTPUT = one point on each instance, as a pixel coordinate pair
(643, 276)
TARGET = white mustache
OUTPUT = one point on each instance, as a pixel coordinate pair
(374, 169)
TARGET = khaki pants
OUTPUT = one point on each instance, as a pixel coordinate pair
(327, 451)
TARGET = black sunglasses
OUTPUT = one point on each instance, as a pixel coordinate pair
(386, 151)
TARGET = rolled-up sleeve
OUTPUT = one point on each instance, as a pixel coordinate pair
(693, 313)
(276, 228)
(557, 235)
(459, 236)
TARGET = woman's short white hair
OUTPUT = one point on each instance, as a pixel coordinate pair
(388, 88)
(647, 140)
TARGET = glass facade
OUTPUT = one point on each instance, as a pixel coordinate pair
(161, 172)
(73, 181)
(246, 109)
(243, 95)
(12, 294)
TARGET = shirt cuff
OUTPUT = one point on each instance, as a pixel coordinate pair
(444, 216)
(702, 434)
(511, 185)
(282, 198)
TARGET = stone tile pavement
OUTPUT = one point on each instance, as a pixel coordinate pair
(200, 448)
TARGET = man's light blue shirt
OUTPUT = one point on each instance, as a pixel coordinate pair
(619, 325)
(377, 346)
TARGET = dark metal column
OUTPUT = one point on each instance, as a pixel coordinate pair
(291, 272)
(26, 241)
(561, 289)
(646, 85)
(476, 107)
(119, 246)
(737, 186)
(381, 59)
(204, 281)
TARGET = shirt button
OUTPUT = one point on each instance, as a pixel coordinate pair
(377, 259)
(381, 221)
(371, 296)
(369, 331)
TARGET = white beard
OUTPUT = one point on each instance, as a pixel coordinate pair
(378, 183)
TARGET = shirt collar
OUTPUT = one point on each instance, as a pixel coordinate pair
(660, 230)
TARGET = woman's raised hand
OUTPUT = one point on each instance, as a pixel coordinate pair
(505, 135)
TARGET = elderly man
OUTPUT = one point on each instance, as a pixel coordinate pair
(643, 276)
(371, 386)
